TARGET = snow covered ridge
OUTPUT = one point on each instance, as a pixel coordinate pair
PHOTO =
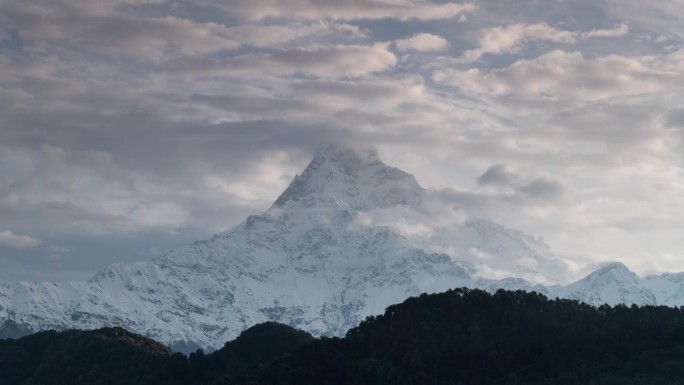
(318, 260)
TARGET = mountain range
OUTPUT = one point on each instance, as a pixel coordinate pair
(319, 259)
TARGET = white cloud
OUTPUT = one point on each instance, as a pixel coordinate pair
(84, 193)
(10, 239)
(510, 38)
(273, 35)
(431, 217)
(332, 62)
(565, 76)
(150, 39)
(422, 42)
(660, 16)
(371, 94)
(605, 111)
(350, 10)
(619, 30)
(99, 28)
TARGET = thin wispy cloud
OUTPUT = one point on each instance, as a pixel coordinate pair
(9, 239)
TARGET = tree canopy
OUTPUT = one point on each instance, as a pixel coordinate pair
(459, 337)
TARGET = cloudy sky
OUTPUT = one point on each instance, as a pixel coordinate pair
(130, 127)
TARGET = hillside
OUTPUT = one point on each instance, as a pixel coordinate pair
(106, 356)
(460, 336)
(472, 337)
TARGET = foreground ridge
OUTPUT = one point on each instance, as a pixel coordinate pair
(462, 336)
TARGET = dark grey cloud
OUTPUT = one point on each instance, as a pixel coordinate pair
(675, 119)
(515, 187)
(544, 189)
(498, 175)
(503, 188)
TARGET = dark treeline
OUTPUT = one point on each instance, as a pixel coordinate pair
(459, 337)
(115, 356)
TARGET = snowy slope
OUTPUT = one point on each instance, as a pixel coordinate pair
(497, 251)
(668, 288)
(612, 284)
(312, 261)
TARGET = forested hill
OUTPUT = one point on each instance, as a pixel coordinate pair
(105, 356)
(458, 337)
(115, 356)
(472, 337)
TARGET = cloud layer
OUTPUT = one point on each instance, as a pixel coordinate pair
(130, 127)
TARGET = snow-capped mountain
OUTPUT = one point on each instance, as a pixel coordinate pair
(615, 284)
(354, 180)
(318, 260)
(612, 284)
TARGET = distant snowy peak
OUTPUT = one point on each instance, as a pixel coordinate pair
(668, 288)
(614, 271)
(504, 252)
(612, 284)
(353, 179)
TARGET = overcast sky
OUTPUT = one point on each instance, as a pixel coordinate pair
(131, 127)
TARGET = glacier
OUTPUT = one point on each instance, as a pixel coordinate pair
(314, 261)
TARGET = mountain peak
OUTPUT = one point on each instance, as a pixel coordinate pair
(616, 268)
(350, 178)
(612, 284)
(349, 156)
(611, 272)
